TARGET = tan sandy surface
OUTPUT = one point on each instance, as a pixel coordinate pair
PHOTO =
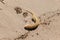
(12, 24)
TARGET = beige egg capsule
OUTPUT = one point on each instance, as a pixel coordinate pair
(35, 25)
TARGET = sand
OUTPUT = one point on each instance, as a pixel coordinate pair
(12, 23)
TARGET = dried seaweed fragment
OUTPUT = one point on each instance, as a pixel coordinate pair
(31, 27)
(18, 10)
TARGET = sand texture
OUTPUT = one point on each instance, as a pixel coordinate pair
(14, 15)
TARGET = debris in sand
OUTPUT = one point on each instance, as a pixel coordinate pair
(25, 14)
(37, 33)
(18, 10)
(58, 14)
(36, 21)
(23, 36)
(30, 27)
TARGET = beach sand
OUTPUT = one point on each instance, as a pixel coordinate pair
(12, 23)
